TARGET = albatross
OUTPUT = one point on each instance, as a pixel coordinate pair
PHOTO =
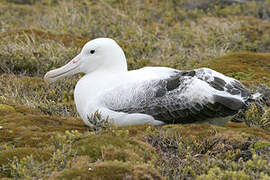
(150, 95)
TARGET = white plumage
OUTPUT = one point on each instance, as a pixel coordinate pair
(151, 95)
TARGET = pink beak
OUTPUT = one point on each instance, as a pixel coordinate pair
(69, 69)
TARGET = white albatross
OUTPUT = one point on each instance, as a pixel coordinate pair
(150, 95)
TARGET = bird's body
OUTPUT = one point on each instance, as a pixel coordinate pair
(151, 95)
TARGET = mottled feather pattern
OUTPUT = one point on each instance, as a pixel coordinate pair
(183, 97)
(222, 82)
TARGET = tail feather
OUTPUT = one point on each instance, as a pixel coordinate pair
(232, 103)
(265, 95)
(256, 96)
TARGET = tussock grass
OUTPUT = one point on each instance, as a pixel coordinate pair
(167, 33)
(52, 100)
(39, 138)
(224, 154)
(25, 53)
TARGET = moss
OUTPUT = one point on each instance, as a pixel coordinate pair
(262, 144)
(111, 147)
(20, 109)
(255, 132)
(33, 130)
(27, 126)
(194, 131)
(110, 170)
(7, 108)
(39, 154)
(41, 35)
(115, 170)
(217, 173)
(235, 132)
(135, 130)
(250, 68)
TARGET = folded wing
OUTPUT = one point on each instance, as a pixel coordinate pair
(184, 97)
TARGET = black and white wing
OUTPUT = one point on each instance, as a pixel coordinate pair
(183, 97)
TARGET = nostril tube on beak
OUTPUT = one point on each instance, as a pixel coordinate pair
(70, 68)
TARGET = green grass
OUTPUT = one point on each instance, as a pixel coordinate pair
(42, 135)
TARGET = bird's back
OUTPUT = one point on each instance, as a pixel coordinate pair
(174, 96)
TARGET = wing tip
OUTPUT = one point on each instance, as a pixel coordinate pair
(229, 102)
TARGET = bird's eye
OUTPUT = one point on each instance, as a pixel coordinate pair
(92, 51)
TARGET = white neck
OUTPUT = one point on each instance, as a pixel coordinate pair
(88, 88)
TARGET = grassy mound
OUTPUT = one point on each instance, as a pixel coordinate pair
(34, 145)
(41, 135)
(249, 68)
(110, 170)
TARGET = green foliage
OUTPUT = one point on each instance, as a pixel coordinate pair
(261, 145)
(222, 155)
(66, 151)
(97, 122)
(110, 147)
(9, 153)
(174, 33)
(68, 138)
(61, 158)
(176, 151)
(54, 100)
(29, 127)
(24, 52)
(6, 108)
(240, 75)
(249, 68)
(110, 170)
(257, 116)
(40, 136)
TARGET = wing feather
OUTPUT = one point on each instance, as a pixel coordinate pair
(184, 97)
